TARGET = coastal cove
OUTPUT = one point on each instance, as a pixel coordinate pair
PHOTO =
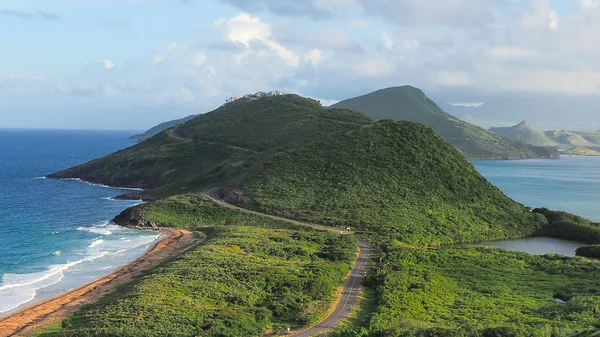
(56, 234)
(570, 184)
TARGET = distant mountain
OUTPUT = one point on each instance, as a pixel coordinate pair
(411, 104)
(545, 111)
(569, 138)
(584, 143)
(524, 132)
(161, 127)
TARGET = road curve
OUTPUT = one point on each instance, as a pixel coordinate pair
(349, 295)
(351, 286)
(214, 195)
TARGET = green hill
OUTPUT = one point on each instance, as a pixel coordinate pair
(216, 146)
(289, 155)
(399, 179)
(524, 132)
(411, 104)
(162, 127)
(569, 138)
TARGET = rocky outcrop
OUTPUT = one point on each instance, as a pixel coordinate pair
(133, 217)
(233, 196)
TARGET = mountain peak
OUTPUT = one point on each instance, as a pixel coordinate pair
(525, 125)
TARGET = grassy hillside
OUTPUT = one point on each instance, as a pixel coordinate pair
(215, 147)
(411, 104)
(399, 179)
(581, 143)
(291, 156)
(253, 275)
(524, 132)
(567, 138)
(483, 291)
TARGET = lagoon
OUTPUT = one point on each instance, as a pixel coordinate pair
(538, 245)
(571, 183)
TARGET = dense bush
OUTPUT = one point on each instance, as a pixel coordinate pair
(567, 226)
(483, 291)
(396, 179)
(589, 251)
(242, 282)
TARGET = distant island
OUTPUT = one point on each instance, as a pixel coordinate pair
(576, 142)
(286, 191)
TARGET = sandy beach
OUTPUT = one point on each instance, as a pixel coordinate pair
(50, 310)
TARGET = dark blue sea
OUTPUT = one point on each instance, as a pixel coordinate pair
(55, 235)
(571, 183)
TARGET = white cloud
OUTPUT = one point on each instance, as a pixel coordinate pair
(387, 40)
(505, 52)
(20, 77)
(374, 67)
(245, 29)
(315, 57)
(199, 59)
(453, 78)
(553, 17)
(590, 3)
(108, 64)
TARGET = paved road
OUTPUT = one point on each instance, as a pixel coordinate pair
(351, 286)
(349, 296)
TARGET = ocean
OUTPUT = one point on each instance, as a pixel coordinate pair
(55, 235)
(570, 183)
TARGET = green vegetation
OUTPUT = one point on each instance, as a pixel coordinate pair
(567, 226)
(578, 143)
(161, 127)
(583, 151)
(217, 147)
(396, 182)
(525, 132)
(411, 104)
(483, 291)
(589, 251)
(396, 179)
(251, 276)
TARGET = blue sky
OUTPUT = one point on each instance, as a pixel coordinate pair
(130, 64)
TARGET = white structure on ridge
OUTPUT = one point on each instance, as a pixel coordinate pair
(255, 96)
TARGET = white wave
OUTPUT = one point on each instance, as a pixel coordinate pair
(109, 251)
(18, 289)
(101, 185)
(96, 242)
(134, 201)
(105, 228)
(39, 178)
(54, 233)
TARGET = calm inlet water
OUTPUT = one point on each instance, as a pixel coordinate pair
(55, 234)
(569, 184)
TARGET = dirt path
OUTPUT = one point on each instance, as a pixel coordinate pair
(177, 135)
(214, 195)
(50, 310)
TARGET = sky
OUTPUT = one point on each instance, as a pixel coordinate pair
(130, 64)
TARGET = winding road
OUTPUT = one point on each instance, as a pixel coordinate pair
(351, 287)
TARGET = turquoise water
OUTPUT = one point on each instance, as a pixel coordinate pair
(569, 184)
(55, 235)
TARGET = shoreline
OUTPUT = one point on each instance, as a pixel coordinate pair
(49, 310)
